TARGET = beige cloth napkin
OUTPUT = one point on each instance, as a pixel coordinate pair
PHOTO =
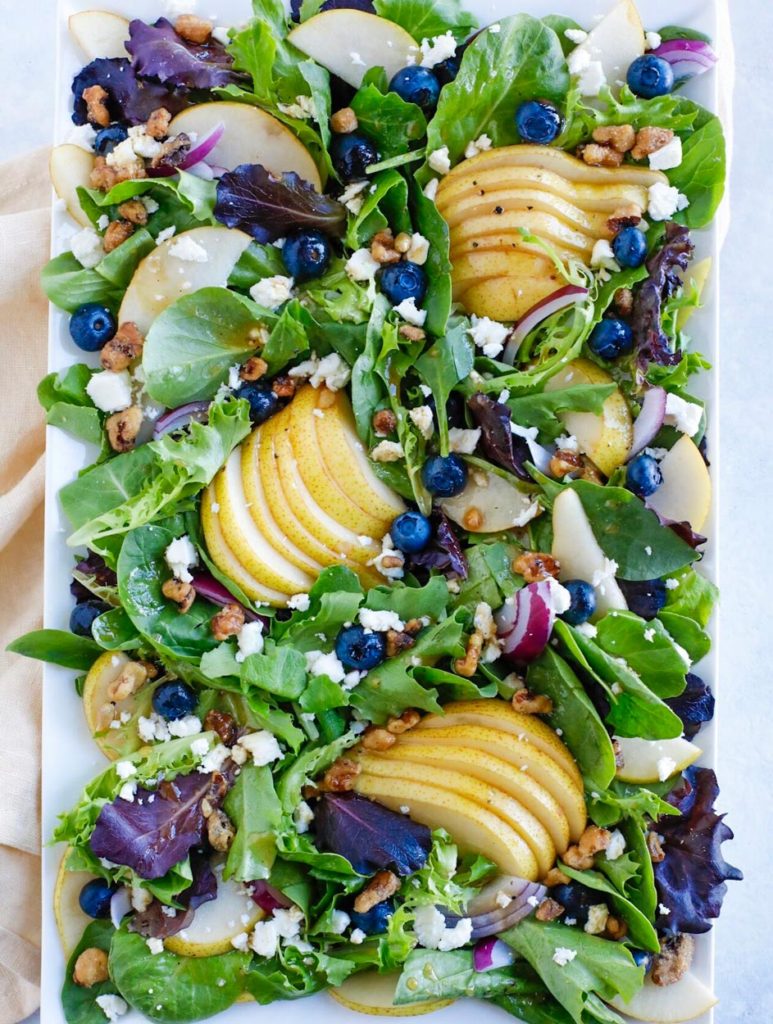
(25, 195)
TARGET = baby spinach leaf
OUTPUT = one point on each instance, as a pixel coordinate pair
(280, 671)
(442, 366)
(106, 486)
(254, 808)
(560, 23)
(694, 596)
(68, 406)
(57, 647)
(69, 286)
(687, 633)
(115, 631)
(388, 120)
(451, 686)
(424, 20)
(489, 575)
(429, 974)
(641, 930)
(78, 1002)
(119, 265)
(385, 204)
(430, 223)
(539, 1008)
(288, 338)
(640, 890)
(256, 262)
(542, 410)
(647, 648)
(701, 174)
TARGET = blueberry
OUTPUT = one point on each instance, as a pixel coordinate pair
(643, 476)
(403, 280)
(306, 254)
(650, 76)
(418, 85)
(411, 532)
(583, 602)
(630, 247)
(352, 154)
(357, 649)
(95, 898)
(91, 326)
(108, 138)
(538, 121)
(642, 959)
(174, 699)
(84, 613)
(644, 598)
(576, 900)
(448, 69)
(610, 339)
(374, 921)
(444, 475)
(263, 402)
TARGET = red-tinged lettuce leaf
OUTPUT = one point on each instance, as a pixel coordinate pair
(498, 441)
(691, 879)
(129, 99)
(251, 198)
(444, 553)
(334, 5)
(369, 836)
(665, 267)
(159, 52)
(695, 705)
(156, 921)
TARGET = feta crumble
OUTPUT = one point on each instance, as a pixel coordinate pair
(652, 40)
(165, 235)
(110, 390)
(299, 602)
(352, 197)
(272, 292)
(187, 249)
(220, 35)
(181, 556)
(418, 250)
(603, 256)
(479, 145)
(438, 49)
(563, 956)
(262, 746)
(155, 946)
(112, 1006)
(303, 817)
(463, 441)
(339, 922)
(668, 156)
(361, 266)
(408, 311)
(430, 189)
(302, 108)
(432, 933)
(387, 451)
(86, 247)
(685, 416)
(380, 621)
(439, 160)
(357, 937)
(250, 640)
(664, 201)
(488, 335)
(422, 418)
(265, 939)
(318, 663)
(616, 846)
(589, 73)
(576, 35)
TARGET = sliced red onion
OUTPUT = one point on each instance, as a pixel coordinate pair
(489, 918)
(210, 589)
(176, 419)
(687, 57)
(566, 296)
(492, 953)
(120, 905)
(649, 421)
(525, 622)
(267, 897)
(202, 149)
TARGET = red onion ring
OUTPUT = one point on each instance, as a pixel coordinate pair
(524, 625)
(491, 953)
(176, 419)
(649, 421)
(566, 296)
(210, 589)
(194, 156)
(120, 905)
(687, 57)
(267, 897)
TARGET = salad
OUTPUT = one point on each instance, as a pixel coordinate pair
(386, 564)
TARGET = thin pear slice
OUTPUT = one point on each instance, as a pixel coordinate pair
(374, 994)
(522, 756)
(494, 771)
(646, 761)
(99, 33)
(616, 41)
(471, 826)
(251, 136)
(70, 919)
(161, 278)
(543, 225)
(215, 923)
(498, 714)
(579, 553)
(527, 197)
(102, 714)
(348, 42)
(489, 502)
(485, 794)
(504, 298)
(508, 242)
(685, 494)
(516, 263)
(687, 999)
(70, 169)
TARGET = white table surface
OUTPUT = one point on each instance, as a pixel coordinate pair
(744, 973)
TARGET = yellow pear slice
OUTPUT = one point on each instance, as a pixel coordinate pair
(544, 225)
(100, 711)
(616, 41)
(494, 771)
(472, 827)
(349, 42)
(485, 794)
(579, 554)
(687, 999)
(99, 33)
(251, 136)
(606, 437)
(685, 494)
(70, 168)
(373, 993)
(697, 277)
(161, 278)
(533, 196)
(522, 756)
(488, 504)
(647, 761)
(507, 298)
(215, 923)
(70, 919)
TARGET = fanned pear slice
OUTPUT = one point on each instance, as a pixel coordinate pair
(685, 494)
(70, 919)
(488, 504)
(505, 298)
(508, 242)
(485, 794)
(544, 222)
(687, 999)
(532, 196)
(348, 42)
(498, 714)
(522, 756)
(473, 827)
(374, 994)
(70, 169)
(525, 265)
(616, 41)
(99, 33)
(646, 761)
(251, 136)
(161, 278)
(102, 713)
(215, 923)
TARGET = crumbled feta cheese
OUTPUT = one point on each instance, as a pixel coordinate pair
(672, 584)
(361, 266)
(652, 40)
(590, 73)
(103, 222)
(392, 571)
(488, 335)
(576, 35)
(587, 629)
(215, 759)
(264, 939)
(463, 441)
(339, 922)
(479, 145)
(439, 160)
(685, 416)
(357, 937)
(149, 203)
(82, 136)
(418, 249)
(200, 747)
(563, 956)
(220, 35)
(86, 247)
(663, 910)
(664, 201)
(657, 453)
(408, 311)
(560, 598)
(241, 941)
(598, 915)
(125, 769)
(423, 419)
(435, 51)
(272, 292)
(603, 256)
(186, 248)
(567, 443)
(318, 663)
(431, 931)
(288, 922)
(380, 622)
(356, 59)
(352, 197)
(140, 898)
(262, 746)
(123, 155)
(155, 946)
(299, 602)
(502, 899)
(112, 1006)
(483, 620)
(616, 845)
(387, 451)
(250, 640)
(128, 791)
(303, 108)
(668, 156)
(180, 556)
(649, 635)
(430, 189)
(331, 370)
(530, 512)
(110, 390)
(165, 235)
(303, 817)
(607, 572)
(666, 767)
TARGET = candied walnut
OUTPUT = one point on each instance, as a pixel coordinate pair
(403, 242)
(183, 594)
(253, 369)
(532, 703)
(134, 211)
(123, 348)
(616, 928)
(396, 642)
(130, 679)
(655, 847)
(116, 234)
(102, 176)
(283, 386)
(375, 738)
(414, 626)
(627, 215)
(617, 750)
(590, 471)
(228, 622)
(407, 720)
(549, 910)
(411, 333)
(383, 885)
(621, 137)
(172, 151)
(650, 140)
(536, 565)
(600, 156)
(90, 968)
(193, 28)
(468, 665)
(624, 301)
(556, 877)
(565, 462)
(673, 961)
(158, 123)
(594, 840)
(384, 422)
(340, 776)
(150, 668)
(472, 519)
(382, 247)
(223, 724)
(578, 860)
(95, 98)
(344, 121)
(391, 562)
(220, 831)
(122, 428)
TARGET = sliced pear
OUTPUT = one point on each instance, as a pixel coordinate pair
(507, 298)
(374, 994)
(471, 826)
(487, 230)
(578, 552)
(647, 761)
(486, 795)
(685, 494)
(251, 136)
(70, 168)
(479, 764)
(100, 711)
(348, 42)
(488, 502)
(534, 196)
(70, 919)
(161, 279)
(474, 266)
(685, 1000)
(605, 438)
(498, 714)
(99, 33)
(215, 923)
(616, 41)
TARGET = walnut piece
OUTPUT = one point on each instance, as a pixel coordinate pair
(601, 156)
(123, 348)
(627, 215)
(228, 622)
(283, 386)
(549, 910)
(594, 840)
(95, 98)
(397, 642)
(122, 428)
(624, 301)
(536, 565)
(344, 121)
(158, 124)
(90, 968)
(384, 422)
(383, 885)
(183, 594)
(411, 333)
(134, 211)
(116, 234)
(129, 680)
(468, 665)
(472, 519)
(220, 831)
(193, 28)
(407, 720)
(650, 140)
(223, 724)
(253, 369)
(556, 877)
(382, 247)
(532, 703)
(655, 847)
(340, 776)
(620, 137)
(673, 961)
(565, 462)
(376, 738)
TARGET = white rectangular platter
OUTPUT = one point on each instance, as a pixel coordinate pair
(70, 757)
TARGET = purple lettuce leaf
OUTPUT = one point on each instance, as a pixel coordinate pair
(159, 52)
(665, 266)
(444, 552)
(129, 99)
(688, 535)
(334, 5)
(156, 922)
(695, 705)
(691, 879)
(498, 441)
(100, 576)
(267, 207)
(370, 836)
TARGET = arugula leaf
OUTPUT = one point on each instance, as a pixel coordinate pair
(647, 648)
(79, 1003)
(254, 808)
(57, 647)
(388, 120)
(442, 366)
(424, 20)
(641, 930)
